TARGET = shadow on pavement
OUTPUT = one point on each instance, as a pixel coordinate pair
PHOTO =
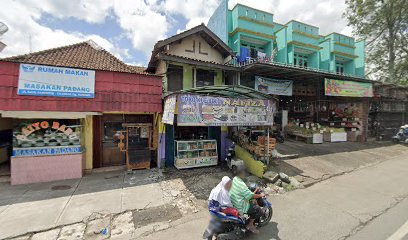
(89, 183)
(306, 150)
(268, 232)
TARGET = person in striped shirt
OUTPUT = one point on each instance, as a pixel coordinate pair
(241, 198)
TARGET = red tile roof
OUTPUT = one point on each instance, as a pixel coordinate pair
(86, 55)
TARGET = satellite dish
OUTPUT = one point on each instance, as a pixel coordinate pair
(3, 28)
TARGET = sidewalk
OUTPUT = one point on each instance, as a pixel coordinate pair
(36, 207)
(320, 162)
(147, 202)
(334, 209)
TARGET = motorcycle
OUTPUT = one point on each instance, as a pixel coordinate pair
(279, 136)
(232, 162)
(226, 227)
(402, 135)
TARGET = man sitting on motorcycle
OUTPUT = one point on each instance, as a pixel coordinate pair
(241, 198)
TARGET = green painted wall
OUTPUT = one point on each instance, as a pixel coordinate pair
(359, 61)
(187, 77)
(246, 22)
(219, 80)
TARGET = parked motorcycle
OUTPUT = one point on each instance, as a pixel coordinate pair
(402, 135)
(225, 227)
(232, 162)
(279, 136)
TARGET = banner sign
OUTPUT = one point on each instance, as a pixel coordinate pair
(273, 86)
(39, 80)
(39, 138)
(43, 151)
(347, 88)
(169, 108)
(198, 110)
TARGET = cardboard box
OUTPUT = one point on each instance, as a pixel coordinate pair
(335, 137)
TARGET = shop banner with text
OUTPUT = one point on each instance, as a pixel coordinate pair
(169, 108)
(39, 80)
(274, 86)
(198, 110)
(347, 88)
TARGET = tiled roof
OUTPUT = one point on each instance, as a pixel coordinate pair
(86, 55)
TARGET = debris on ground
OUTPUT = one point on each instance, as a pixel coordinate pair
(281, 182)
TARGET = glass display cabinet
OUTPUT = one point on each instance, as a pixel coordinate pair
(195, 153)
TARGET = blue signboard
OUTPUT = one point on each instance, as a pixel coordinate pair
(39, 80)
(43, 151)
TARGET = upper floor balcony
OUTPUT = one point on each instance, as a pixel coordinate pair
(302, 34)
(247, 19)
(341, 45)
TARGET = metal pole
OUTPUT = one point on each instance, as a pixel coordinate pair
(268, 148)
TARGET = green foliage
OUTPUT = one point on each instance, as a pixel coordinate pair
(383, 24)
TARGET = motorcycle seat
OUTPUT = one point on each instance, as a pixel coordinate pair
(227, 218)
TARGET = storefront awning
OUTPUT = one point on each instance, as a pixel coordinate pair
(290, 72)
(227, 91)
(45, 114)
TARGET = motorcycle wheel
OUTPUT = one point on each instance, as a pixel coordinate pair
(266, 218)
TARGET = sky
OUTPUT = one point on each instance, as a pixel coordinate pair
(130, 28)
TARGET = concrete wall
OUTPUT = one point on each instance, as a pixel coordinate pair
(88, 141)
(359, 61)
(196, 47)
(218, 21)
(45, 168)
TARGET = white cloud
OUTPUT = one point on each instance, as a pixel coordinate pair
(94, 11)
(144, 22)
(143, 25)
(24, 30)
(195, 11)
(325, 14)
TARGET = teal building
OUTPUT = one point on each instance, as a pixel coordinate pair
(254, 36)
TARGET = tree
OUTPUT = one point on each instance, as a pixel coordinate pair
(383, 24)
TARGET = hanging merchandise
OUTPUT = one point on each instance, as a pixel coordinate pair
(261, 55)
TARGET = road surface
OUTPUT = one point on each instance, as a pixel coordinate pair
(370, 203)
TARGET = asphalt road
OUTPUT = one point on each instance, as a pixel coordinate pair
(369, 203)
(391, 225)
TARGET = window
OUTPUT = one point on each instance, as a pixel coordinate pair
(300, 60)
(204, 78)
(247, 80)
(255, 16)
(339, 68)
(264, 17)
(174, 78)
(246, 13)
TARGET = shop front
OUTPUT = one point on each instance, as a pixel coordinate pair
(46, 149)
(317, 107)
(125, 139)
(199, 127)
(62, 121)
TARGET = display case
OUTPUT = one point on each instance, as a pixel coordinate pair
(195, 153)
